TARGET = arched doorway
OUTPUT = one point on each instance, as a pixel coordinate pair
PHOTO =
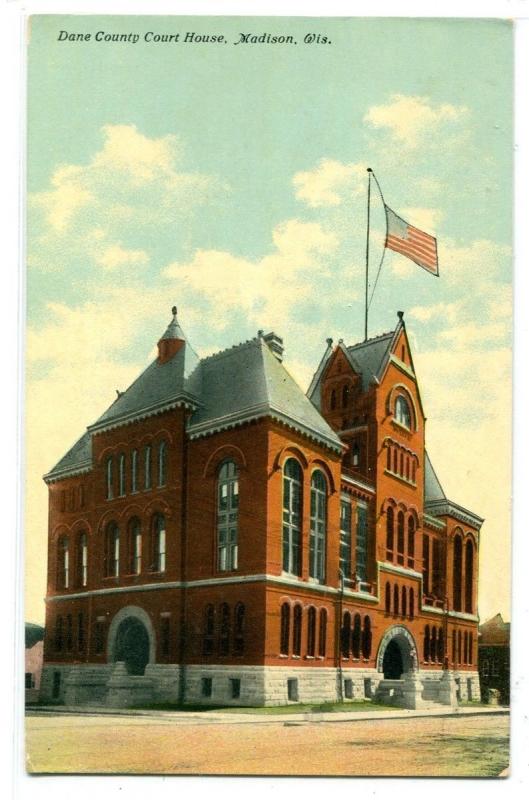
(392, 663)
(132, 645)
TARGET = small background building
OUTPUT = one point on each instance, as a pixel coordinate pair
(34, 641)
(494, 658)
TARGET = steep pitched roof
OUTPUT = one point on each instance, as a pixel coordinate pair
(370, 356)
(432, 488)
(248, 382)
(77, 459)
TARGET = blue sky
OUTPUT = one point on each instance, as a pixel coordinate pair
(230, 180)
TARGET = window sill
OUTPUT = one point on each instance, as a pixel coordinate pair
(402, 427)
(400, 477)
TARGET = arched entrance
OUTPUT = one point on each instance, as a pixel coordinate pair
(132, 645)
(397, 653)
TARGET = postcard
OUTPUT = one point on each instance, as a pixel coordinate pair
(268, 393)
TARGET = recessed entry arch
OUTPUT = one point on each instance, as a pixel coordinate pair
(397, 653)
(131, 638)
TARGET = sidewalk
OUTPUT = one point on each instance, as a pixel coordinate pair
(234, 718)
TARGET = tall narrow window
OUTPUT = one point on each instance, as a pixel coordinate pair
(147, 467)
(411, 541)
(80, 632)
(366, 638)
(296, 638)
(459, 643)
(112, 551)
(426, 564)
(388, 457)
(134, 547)
(311, 632)
(413, 470)
(63, 563)
(227, 516)
(400, 537)
(158, 543)
(322, 638)
(454, 647)
(162, 464)
(238, 630)
(224, 641)
(110, 478)
(396, 600)
(209, 630)
(458, 567)
(412, 604)
(122, 474)
(284, 644)
(470, 649)
(437, 569)
(346, 635)
(388, 598)
(318, 525)
(426, 645)
(292, 510)
(465, 648)
(404, 602)
(357, 635)
(440, 646)
(395, 460)
(361, 541)
(390, 527)
(82, 559)
(433, 644)
(402, 411)
(355, 455)
(134, 471)
(345, 539)
(469, 576)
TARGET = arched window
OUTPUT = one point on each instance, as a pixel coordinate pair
(147, 467)
(458, 567)
(355, 455)
(238, 630)
(426, 645)
(110, 478)
(292, 510)
(388, 457)
(112, 550)
(224, 641)
(346, 635)
(134, 471)
(469, 576)
(134, 546)
(401, 464)
(390, 526)
(400, 537)
(465, 648)
(407, 468)
(209, 630)
(367, 638)
(411, 541)
(402, 411)
(333, 400)
(82, 559)
(440, 646)
(227, 516)
(411, 609)
(459, 643)
(311, 632)
(404, 602)
(396, 600)
(63, 563)
(318, 525)
(158, 543)
(121, 474)
(322, 639)
(357, 635)
(345, 395)
(296, 643)
(162, 463)
(433, 644)
(396, 460)
(284, 645)
(388, 598)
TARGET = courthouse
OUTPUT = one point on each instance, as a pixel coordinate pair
(220, 537)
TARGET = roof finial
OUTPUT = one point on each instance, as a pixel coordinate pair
(400, 314)
(329, 341)
(174, 311)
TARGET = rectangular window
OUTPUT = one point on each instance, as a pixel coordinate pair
(165, 635)
(56, 687)
(134, 472)
(292, 689)
(147, 479)
(235, 686)
(136, 565)
(345, 539)
(29, 680)
(161, 550)
(368, 691)
(348, 689)
(207, 687)
(361, 541)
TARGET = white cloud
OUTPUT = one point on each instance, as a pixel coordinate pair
(329, 182)
(115, 256)
(410, 119)
(446, 311)
(427, 219)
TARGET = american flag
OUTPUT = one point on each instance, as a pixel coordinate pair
(411, 242)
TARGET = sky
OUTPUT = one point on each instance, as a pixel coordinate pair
(230, 180)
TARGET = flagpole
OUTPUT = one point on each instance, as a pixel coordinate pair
(369, 171)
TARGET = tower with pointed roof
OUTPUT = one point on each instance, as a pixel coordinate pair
(234, 540)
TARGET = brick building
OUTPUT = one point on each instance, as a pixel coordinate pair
(217, 536)
(494, 659)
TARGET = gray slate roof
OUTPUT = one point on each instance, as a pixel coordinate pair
(77, 458)
(248, 381)
(368, 357)
(432, 488)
